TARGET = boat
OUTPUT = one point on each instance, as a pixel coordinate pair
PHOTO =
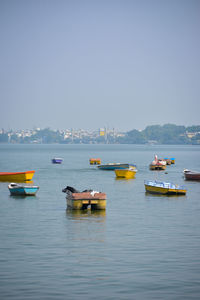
(16, 176)
(95, 161)
(168, 161)
(24, 190)
(113, 166)
(126, 173)
(172, 160)
(85, 199)
(57, 160)
(157, 164)
(166, 188)
(191, 175)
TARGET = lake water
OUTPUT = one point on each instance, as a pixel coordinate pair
(142, 247)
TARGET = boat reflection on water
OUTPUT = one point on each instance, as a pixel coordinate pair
(125, 179)
(99, 215)
(168, 197)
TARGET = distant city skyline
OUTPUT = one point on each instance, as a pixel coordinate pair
(94, 64)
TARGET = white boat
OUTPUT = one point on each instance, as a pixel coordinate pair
(25, 190)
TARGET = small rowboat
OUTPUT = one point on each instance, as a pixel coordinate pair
(22, 190)
(166, 188)
(126, 173)
(57, 160)
(17, 176)
(191, 175)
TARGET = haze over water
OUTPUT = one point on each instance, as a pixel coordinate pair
(142, 247)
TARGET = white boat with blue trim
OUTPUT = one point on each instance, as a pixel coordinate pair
(166, 188)
(22, 190)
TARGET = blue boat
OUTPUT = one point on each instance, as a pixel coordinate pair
(114, 166)
(57, 160)
(22, 190)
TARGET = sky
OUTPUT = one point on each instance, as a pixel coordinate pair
(122, 64)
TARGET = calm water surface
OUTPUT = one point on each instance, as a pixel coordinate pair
(142, 247)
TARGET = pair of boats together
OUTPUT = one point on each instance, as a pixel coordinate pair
(20, 189)
(160, 164)
(127, 171)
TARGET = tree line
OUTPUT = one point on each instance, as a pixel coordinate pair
(166, 134)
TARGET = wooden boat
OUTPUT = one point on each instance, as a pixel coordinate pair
(113, 166)
(125, 173)
(95, 161)
(24, 190)
(191, 175)
(166, 188)
(17, 176)
(84, 200)
(157, 164)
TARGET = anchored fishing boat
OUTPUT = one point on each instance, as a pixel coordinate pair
(191, 175)
(84, 200)
(24, 190)
(17, 176)
(166, 188)
(126, 173)
(157, 164)
(114, 166)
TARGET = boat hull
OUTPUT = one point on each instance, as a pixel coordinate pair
(17, 176)
(95, 161)
(18, 190)
(157, 167)
(56, 161)
(164, 188)
(122, 173)
(191, 175)
(84, 200)
(164, 191)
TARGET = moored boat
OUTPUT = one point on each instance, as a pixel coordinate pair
(168, 161)
(166, 188)
(191, 175)
(113, 166)
(17, 176)
(95, 161)
(84, 200)
(126, 173)
(157, 164)
(57, 160)
(172, 160)
(23, 190)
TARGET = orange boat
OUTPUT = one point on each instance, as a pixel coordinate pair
(16, 176)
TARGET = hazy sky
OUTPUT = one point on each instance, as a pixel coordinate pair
(88, 64)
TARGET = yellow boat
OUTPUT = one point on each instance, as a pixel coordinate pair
(95, 161)
(157, 167)
(166, 188)
(16, 176)
(172, 160)
(126, 173)
(83, 200)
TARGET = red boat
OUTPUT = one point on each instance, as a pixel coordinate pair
(191, 175)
